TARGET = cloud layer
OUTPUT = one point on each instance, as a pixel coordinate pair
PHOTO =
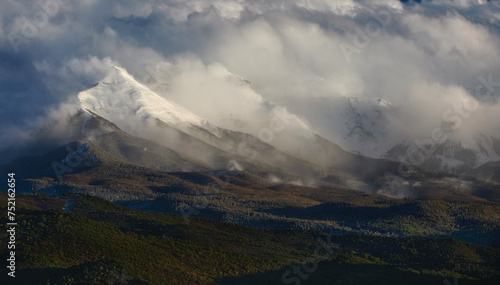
(421, 57)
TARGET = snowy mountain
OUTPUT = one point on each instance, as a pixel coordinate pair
(231, 103)
(457, 153)
(357, 125)
(208, 116)
(234, 119)
(364, 126)
(124, 122)
(121, 99)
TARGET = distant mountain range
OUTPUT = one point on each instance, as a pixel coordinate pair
(142, 151)
(456, 153)
(123, 121)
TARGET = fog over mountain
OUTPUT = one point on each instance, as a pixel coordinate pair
(367, 75)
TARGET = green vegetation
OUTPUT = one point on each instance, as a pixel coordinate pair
(251, 200)
(99, 242)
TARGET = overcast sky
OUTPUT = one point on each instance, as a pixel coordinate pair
(422, 57)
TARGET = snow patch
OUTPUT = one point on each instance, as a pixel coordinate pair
(120, 96)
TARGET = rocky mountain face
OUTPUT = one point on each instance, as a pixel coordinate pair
(455, 152)
(124, 122)
(358, 125)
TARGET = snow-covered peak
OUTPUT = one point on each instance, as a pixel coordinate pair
(212, 93)
(360, 125)
(458, 152)
(225, 99)
(119, 97)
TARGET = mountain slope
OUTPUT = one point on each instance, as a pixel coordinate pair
(119, 96)
(358, 125)
(101, 142)
(58, 132)
(488, 171)
(277, 138)
(457, 153)
(231, 103)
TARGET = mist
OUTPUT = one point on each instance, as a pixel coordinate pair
(235, 62)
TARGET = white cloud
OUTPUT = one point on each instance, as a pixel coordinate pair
(423, 59)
